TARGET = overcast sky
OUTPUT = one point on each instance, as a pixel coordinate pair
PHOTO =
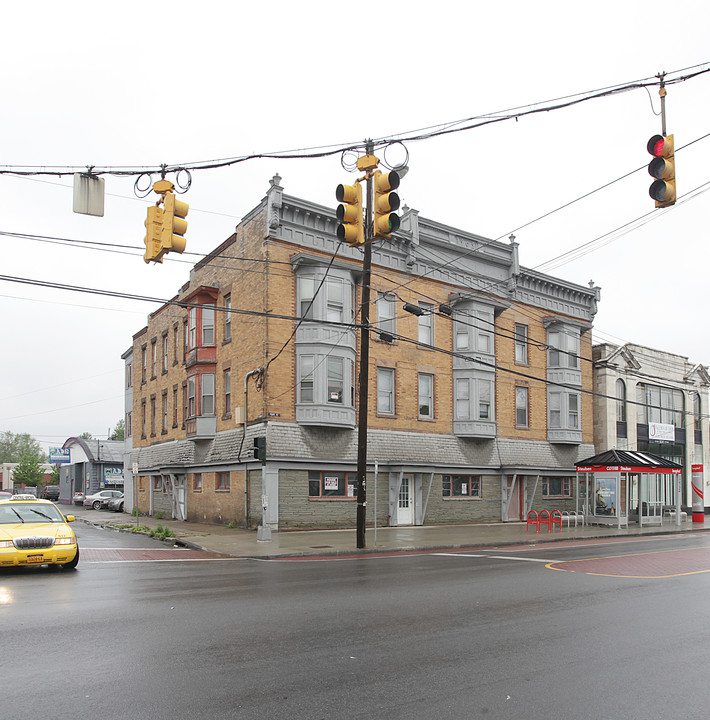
(137, 84)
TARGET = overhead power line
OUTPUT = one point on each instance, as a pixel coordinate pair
(447, 128)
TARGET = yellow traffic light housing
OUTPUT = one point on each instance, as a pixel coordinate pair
(174, 224)
(386, 202)
(351, 226)
(153, 229)
(662, 167)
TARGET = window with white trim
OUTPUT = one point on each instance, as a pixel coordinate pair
(521, 407)
(335, 379)
(385, 313)
(207, 394)
(227, 317)
(425, 324)
(385, 391)
(426, 396)
(563, 348)
(563, 409)
(521, 344)
(473, 399)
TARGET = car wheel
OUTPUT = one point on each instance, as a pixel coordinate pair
(96, 505)
(71, 565)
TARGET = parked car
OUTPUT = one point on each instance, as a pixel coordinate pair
(115, 504)
(5, 495)
(78, 498)
(100, 499)
(50, 492)
(35, 532)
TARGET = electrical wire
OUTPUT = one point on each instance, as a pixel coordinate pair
(329, 150)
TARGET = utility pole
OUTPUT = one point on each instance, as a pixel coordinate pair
(357, 229)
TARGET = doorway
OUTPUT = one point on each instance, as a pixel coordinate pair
(405, 502)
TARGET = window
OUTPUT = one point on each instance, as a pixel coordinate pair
(207, 394)
(306, 293)
(192, 328)
(426, 395)
(306, 378)
(563, 348)
(129, 424)
(556, 487)
(227, 318)
(152, 416)
(461, 486)
(197, 482)
(660, 405)
(144, 363)
(563, 410)
(165, 352)
(191, 409)
(473, 399)
(154, 359)
(175, 406)
(227, 392)
(207, 325)
(331, 484)
(165, 412)
(185, 336)
(521, 344)
(425, 322)
(157, 483)
(620, 400)
(335, 379)
(185, 413)
(335, 292)
(385, 313)
(143, 419)
(385, 391)
(474, 331)
(521, 407)
(175, 344)
(129, 375)
(223, 482)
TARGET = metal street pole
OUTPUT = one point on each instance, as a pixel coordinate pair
(364, 368)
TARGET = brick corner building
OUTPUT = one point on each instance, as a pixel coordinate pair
(478, 390)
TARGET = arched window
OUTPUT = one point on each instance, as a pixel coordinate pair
(620, 400)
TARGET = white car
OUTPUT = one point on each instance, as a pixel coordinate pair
(100, 499)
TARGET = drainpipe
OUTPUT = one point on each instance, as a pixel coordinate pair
(258, 371)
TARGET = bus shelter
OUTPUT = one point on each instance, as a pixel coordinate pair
(620, 485)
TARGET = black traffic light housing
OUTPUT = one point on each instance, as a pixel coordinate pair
(260, 449)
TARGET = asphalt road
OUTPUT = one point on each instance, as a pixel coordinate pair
(574, 631)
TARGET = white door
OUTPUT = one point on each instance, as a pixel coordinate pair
(180, 497)
(405, 505)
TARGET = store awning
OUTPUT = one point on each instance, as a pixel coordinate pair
(630, 461)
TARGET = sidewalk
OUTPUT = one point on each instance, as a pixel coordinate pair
(237, 542)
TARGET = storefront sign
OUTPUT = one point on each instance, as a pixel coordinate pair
(330, 483)
(661, 432)
(59, 455)
(113, 476)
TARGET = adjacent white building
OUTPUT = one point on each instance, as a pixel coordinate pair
(655, 401)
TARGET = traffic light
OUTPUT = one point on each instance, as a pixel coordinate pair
(386, 202)
(260, 449)
(352, 224)
(662, 167)
(174, 224)
(153, 228)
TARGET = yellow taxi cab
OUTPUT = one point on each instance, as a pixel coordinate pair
(35, 532)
